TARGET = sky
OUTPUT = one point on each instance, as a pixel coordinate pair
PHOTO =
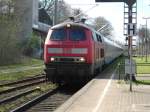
(113, 12)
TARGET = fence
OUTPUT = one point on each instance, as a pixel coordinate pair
(142, 72)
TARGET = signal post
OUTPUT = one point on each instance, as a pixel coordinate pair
(129, 27)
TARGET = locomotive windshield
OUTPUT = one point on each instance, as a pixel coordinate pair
(58, 34)
(77, 34)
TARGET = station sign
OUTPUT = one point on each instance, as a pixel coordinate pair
(132, 29)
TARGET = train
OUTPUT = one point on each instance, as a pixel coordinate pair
(75, 52)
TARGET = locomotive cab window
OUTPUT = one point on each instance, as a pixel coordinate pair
(77, 34)
(58, 34)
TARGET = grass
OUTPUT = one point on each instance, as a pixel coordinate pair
(142, 66)
(144, 82)
(20, 75)
(142, 69)
(141, 60)
(19, 71)
(26, 61)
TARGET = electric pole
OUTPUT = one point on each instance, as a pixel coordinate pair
(146, 39)
(55, 12)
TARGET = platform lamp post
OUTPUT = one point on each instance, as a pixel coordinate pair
(146, 18)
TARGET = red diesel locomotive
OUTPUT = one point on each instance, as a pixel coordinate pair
(73, 52)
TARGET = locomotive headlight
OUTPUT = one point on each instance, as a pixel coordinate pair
(82, 59)
(52, 59)
(68, 25)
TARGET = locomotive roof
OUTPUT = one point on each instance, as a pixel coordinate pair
(74, 24)
(62, 25)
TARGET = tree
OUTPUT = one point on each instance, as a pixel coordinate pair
(48, 5)
(44, 17)
(64, 11)
(103, 26)
(142, 33)
(144, 39)
(9, 43)
(78, 13)
(33, 45)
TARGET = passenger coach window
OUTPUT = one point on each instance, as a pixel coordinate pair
(77, 34)
(99, 38)
(58, 34)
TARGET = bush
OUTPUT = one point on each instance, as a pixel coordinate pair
(32, 46)
(9, 49)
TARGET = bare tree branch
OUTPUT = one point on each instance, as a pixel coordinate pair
(100, 22)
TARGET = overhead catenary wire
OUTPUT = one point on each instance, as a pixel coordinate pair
(102, 27)
(83, 4)
(87, 10)
(95, 5)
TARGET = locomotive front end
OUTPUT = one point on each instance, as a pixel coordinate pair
(66, 53)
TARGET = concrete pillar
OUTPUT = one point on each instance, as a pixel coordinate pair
(35, 12)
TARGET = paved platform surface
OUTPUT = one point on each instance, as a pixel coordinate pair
(105, 94)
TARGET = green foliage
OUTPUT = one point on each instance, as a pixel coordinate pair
(9, 49)
(142, 66)
(34, 42)
(21, 74)
(142, 33)
(33, 45)
(142, 60)
(25, 61)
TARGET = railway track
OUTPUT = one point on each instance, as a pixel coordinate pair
(14, 100)
(12, 90)
(47, 102)
(17, 85)
(14, 97)
(23, 80)
(21, 86)
(18, 92)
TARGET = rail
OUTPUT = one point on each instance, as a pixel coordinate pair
(35, 101)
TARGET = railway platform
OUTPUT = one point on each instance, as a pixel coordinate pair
(105, 94)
